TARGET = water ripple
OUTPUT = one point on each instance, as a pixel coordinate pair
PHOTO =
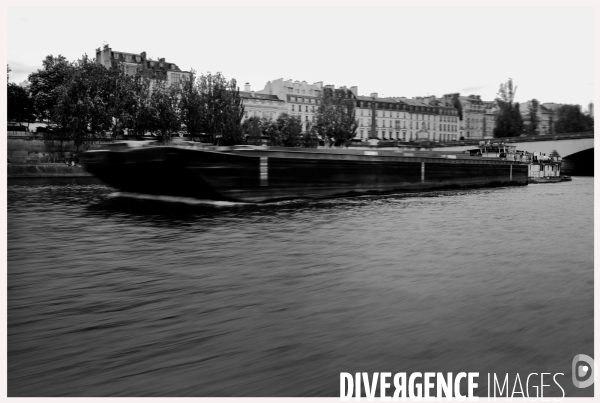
(128, 296)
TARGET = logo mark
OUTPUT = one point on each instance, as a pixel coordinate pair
(582, 370)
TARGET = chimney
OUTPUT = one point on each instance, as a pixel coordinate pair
(143, 55)
(161, 60)
(373, 95)
(247, 87)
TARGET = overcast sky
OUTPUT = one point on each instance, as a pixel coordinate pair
(395, 51)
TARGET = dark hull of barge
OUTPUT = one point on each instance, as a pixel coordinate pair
(269, 174)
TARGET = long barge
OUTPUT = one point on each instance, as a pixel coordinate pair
(261, 174)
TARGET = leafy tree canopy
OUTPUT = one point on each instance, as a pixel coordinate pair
(570, 119)
(19, 104)
(335, 118)
(509, 122)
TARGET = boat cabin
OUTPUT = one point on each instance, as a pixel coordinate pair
(498, 150)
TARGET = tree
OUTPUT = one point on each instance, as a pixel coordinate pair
(19, 104)
(163, 111)
(290, 129)
(509, 122)
(570, 119)
(507, 93)
(533, 118)
(222, 109)
(456, 103)
(335, 119)
(255, 129)
(46, 84)
(190, 104)
(122, 92)
(137, 111)
(83, 110)
(517, 118)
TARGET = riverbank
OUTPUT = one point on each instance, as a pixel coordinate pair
(48, 170)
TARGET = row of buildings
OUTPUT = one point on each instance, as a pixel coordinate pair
(385, 118)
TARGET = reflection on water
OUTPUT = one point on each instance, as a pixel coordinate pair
(112, 295)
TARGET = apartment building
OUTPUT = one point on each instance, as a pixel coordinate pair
(261, 105)
(546, 113)
(301, 98)
(489, 118)
(404, 119)
(473, 116)
(131, 62)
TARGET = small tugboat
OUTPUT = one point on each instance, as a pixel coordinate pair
(544, 169)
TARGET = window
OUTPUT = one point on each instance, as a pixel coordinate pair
(293, 108)
(175, 78)
(306, 108)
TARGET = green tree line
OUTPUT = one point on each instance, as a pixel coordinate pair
(510, 122)
(83, 101)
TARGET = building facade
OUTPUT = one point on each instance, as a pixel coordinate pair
(301, 99)
(261, 105)
(473, 116)
(131, 62)
(546, 114)
(489, 118)
(403, 119)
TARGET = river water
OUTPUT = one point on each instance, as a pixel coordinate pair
(116, 296)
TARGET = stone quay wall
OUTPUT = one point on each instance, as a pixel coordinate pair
(44, 171)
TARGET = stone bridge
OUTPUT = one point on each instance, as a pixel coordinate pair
(576, 149)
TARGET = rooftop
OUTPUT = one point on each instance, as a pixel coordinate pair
(252, 94)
